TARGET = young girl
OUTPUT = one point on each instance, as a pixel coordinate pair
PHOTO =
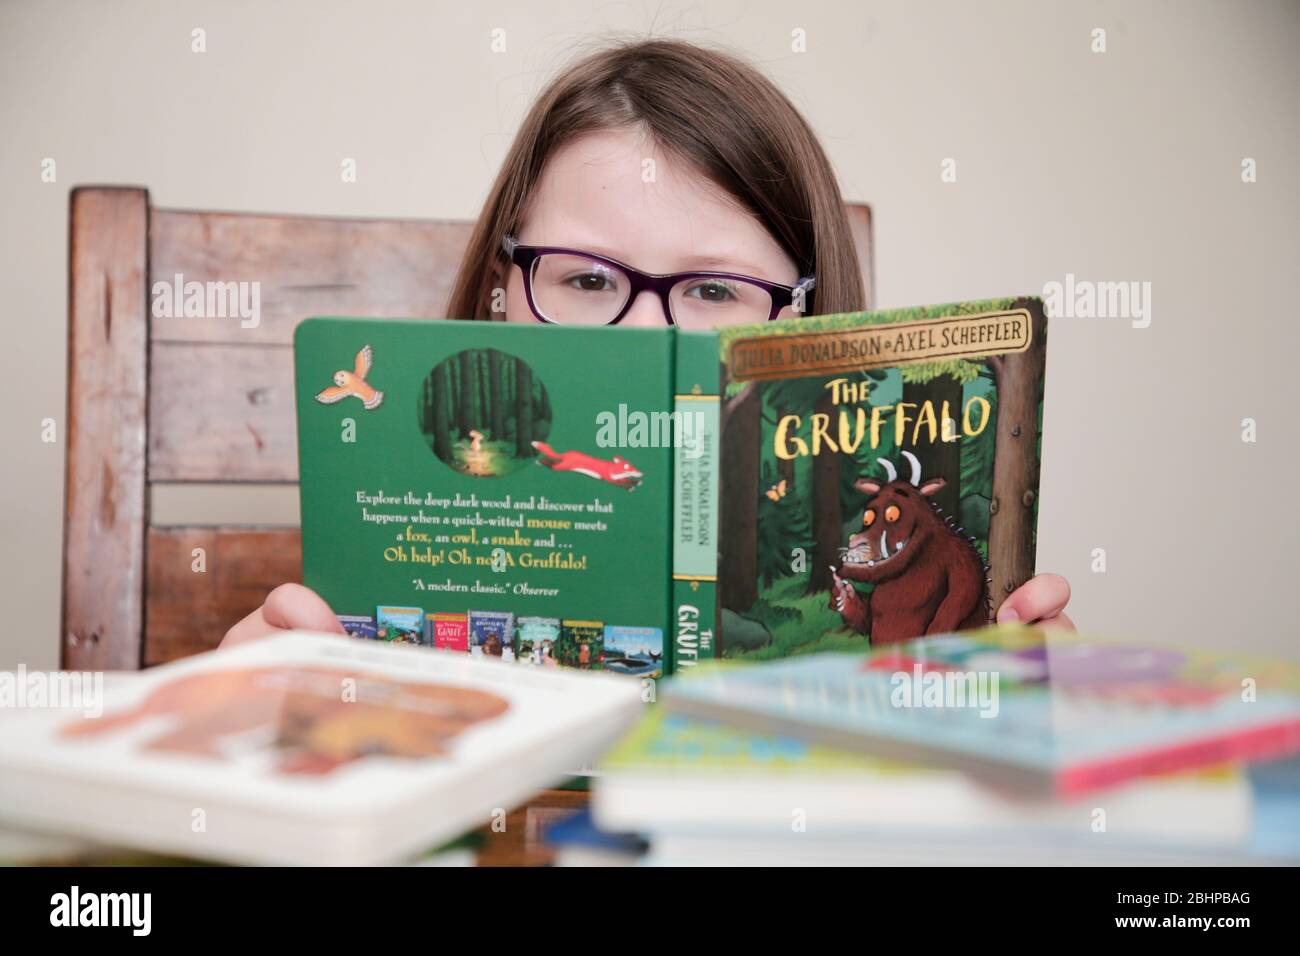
(657, 157)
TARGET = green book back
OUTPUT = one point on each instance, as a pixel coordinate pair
(464, 468)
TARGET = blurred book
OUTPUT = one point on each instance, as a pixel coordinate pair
(577, 841)
(304, 749)
(1033, 711)
(719, 791)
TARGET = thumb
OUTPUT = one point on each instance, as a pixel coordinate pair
(292, 606)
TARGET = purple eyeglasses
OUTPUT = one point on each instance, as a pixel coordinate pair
(572, 287)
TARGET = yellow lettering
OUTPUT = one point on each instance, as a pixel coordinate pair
(783, 439)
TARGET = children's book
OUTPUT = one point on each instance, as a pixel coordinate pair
(1030, 710)
(399, 625)
(306, 749)
(359, 625)
(461, 468)
(448, 631)
(680, 775)
(755, 492)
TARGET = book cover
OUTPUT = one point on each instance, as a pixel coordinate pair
(634, 650)
(581, 644)
(1032, 710)
(678, 774)
(817, 483)
(477, 469)
(447, 631)
(535, 640)
(492, 634)
(399, 625)
(359, 625)
(306, 749)
(878, 474)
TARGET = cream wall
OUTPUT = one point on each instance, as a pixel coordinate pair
(1123, 165)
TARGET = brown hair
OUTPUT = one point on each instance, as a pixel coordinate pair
(708, 107)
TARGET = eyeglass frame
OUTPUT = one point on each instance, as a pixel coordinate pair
(661, 284)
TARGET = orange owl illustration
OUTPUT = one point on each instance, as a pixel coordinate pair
(353, 384)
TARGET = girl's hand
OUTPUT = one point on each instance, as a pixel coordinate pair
(288, 607)
(1041, 601)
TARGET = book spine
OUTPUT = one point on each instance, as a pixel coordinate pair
(693, 625)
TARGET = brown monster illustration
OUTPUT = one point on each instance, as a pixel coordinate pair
(315, 718)
(928, 578)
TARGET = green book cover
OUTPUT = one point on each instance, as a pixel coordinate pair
(640, 500)
(506, 473)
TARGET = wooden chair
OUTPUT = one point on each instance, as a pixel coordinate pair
(154, 400)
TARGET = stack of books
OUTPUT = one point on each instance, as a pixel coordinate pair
(1003, 746)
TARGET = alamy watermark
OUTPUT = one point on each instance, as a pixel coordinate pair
(179, 299)
(945, 689)
(632, 428)
(22, 689)
(1085, 299)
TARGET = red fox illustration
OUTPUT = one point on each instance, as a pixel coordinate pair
(617, 471)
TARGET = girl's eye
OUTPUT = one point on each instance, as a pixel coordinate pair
(713, 291)
(591, 282)
(868, 518)
(892, 513)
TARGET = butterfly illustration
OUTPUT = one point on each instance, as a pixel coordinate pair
(353, 384)
(777, 491)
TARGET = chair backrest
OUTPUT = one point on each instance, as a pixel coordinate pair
(161, 399)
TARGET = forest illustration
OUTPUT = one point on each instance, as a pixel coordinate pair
(787, 522)
(481, 410)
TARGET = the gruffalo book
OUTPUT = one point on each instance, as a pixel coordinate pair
(636, 500)
(878, 474)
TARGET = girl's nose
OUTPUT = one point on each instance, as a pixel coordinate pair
(647, 312)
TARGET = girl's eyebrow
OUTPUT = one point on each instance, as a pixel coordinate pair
(719, 264)
(699, 263)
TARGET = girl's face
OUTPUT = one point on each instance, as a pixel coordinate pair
(613, 193)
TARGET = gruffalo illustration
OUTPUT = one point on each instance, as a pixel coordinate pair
(928, 578)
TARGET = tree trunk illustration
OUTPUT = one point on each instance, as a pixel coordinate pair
(826, 515)
(785, 466)
(941, 458)
(468, 391)
(497, 396)
(738, 500)
(1016, 462)
(440, 412)
(523, 410)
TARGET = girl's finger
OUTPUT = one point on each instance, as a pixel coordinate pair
(1039, 598)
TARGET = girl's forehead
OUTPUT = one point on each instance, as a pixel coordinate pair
(617, 194)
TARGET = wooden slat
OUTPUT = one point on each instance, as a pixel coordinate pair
(188, 611)
(105, 510)
(860, 226)
(221, 413)
(304, 267)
